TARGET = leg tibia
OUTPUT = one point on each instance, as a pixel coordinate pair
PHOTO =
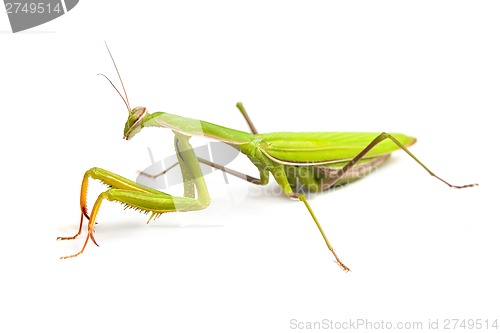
(281, 177)
(383, 136)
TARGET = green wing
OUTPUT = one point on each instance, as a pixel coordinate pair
(325, 147)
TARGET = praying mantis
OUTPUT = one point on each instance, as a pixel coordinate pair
(315, 161)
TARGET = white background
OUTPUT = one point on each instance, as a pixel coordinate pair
(417, 249)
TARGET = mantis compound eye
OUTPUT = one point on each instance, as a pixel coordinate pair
(134, 121)
(137, 112)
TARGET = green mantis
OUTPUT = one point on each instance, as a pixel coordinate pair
(312, 160)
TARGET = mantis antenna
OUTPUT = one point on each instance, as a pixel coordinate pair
(125, 100)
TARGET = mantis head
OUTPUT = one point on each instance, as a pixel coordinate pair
(134, 122)
(135, 115)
